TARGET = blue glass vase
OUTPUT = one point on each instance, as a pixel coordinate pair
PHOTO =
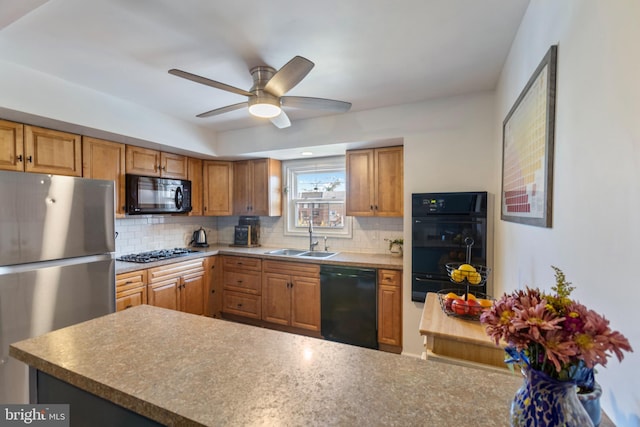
(545, 402)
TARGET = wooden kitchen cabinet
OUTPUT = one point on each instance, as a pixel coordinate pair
(105, 160)
(11, 146)
(375, 182)
(213, 276)
(291, 294)
(390, 310)
(179, 286)
(242, 286)
(39, 150)
(147, 162)
(131, 289)
(194, 174)
(217, 188)
(257, 187)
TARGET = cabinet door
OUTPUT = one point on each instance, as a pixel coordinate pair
(193, 293)
(11, 146)
(218, 188)
(276, 298)
(195, 176)
(142, 161)
(105, 160)
(164, 294)
(390, 307)
(305, 303)
(389, 181)
(213, 276)
(242, 187)
(52, 151)
(173, 166)
(360, 188)
(266, 187)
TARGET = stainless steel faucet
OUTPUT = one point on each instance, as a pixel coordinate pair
(312, 244)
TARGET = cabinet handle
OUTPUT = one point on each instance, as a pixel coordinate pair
(239, 304)
(19, 158)
(30, 159)
(376, 207)
(128, 282)
(370, 207)
(239, 281)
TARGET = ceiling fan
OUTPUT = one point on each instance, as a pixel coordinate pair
(266, 96)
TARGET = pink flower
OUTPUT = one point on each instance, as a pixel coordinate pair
(551, 332)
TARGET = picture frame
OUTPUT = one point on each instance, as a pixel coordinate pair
(527, 149)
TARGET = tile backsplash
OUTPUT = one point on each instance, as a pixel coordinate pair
(149, 232)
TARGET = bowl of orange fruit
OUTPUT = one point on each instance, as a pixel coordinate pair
(465, 305)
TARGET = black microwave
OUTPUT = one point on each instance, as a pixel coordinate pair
(153, 195)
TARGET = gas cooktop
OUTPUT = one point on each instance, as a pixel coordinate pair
(157, 255)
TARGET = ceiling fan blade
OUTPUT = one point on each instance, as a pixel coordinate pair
(223, 110)
(208, 82)
(315, 103)
(289, 75)
(281, 120)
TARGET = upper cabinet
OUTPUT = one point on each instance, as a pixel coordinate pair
(143, 161)
(11, 146)
(257, 187)
(39, 150)
(194, 174)
(375, 182)
(105, 160)
(217, 188)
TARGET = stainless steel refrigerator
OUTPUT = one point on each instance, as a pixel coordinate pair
(57, 265)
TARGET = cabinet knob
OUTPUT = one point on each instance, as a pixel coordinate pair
(370, 207)
(30, 159)
(239, 281)
(239, 304)
(19, 158)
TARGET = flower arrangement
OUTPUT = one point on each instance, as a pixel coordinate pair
(399, 241)
(552, 333)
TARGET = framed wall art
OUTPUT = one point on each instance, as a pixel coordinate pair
(527, 149)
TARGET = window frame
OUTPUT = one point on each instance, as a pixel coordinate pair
(290, 168)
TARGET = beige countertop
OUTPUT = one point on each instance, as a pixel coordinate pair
(342, 258)
(182, 369)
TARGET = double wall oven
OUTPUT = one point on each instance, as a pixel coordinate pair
(441, 224)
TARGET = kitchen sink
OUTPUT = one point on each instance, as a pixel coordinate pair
(317, 254)
(289, 252)
(301, 253)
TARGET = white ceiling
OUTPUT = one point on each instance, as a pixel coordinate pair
(372, 53)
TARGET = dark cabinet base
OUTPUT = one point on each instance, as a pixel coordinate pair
(86, 409)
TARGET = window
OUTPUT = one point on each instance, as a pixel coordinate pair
(315, 191)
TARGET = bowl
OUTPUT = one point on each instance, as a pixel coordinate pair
(467, 305)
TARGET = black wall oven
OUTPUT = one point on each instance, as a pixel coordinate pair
(441, 222)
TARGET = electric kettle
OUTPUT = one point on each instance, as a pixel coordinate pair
(199, 238)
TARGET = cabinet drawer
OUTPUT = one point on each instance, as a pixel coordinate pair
(242, 263)
(248, 281)
(292, 268)
(132, 280)
(242, 304)
(177, 269)
(130, 298)
(390, 277)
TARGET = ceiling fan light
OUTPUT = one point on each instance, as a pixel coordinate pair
(265, 107)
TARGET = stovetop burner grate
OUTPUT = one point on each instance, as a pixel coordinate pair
(157, 255)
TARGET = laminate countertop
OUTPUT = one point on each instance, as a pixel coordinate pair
(341, 258)
(181, 369)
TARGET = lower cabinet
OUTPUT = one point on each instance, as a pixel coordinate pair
(131, 289)
(242, 286)
(390, 309)
(179, 286)
(291, 294)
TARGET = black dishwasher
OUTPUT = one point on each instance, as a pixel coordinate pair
(348, 308)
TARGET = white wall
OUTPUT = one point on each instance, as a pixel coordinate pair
(596, 200)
